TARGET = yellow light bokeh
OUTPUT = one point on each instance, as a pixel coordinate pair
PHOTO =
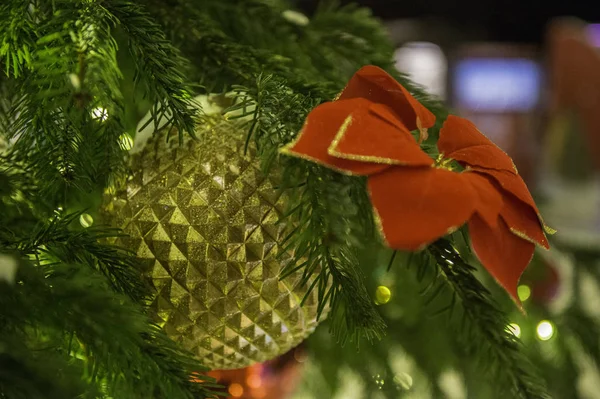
(514, 329)
(125, 142)
(100, 114)
(524, 292)
(382, 295)
(545, 330)
(86, 220)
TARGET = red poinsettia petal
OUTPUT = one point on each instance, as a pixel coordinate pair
(416, 206)
(320, 128)
(511, 183)
(375, 84)
(523, 221)
(503, 254)
(460, 140)
(490, 200)
(375, 134)
(519, 211)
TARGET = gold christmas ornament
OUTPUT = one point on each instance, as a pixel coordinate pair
(204, 223)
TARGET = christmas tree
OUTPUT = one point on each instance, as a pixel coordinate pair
(294, 181)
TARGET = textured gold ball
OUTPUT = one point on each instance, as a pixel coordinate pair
(204, 222)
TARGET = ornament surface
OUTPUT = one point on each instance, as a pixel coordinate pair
(204, 222)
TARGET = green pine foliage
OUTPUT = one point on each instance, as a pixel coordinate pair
(77, 74)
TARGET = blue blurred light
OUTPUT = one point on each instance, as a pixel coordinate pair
(497, 84)
(593, 33)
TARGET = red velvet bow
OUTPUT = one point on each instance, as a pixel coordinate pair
(416, 200)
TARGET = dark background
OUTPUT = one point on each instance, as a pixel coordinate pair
(493, 20)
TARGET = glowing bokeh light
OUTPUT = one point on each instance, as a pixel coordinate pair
(100, 114)
(86, 220)
(514, 329)
(425, 63)
(125, 142)
(236, 390)
(545, 330)
(254, 380)
(524, 292)
(382, 295)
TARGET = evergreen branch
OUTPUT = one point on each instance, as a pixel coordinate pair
(38, 374)
(120, 349)
(484, 326)
(584, 329)
(325, 248)
(58, 241)
(17, 187)
(18, 36)
(74, 73)
(159, 68)
(224, 55)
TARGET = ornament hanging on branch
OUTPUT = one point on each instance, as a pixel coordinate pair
(203, 221)
(416, 199)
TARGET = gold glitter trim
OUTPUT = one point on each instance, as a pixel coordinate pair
(548, 229)
(525, 237)
(287, 150)
(352, 157)
(378, 221)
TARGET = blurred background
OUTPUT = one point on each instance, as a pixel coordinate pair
(528, 74)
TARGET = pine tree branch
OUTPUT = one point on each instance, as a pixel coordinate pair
(159, 66)
(484, 327)
(327, 248)
(121, 350)
(57, 240)
(18, 37)
(38, 373)
(73, 74)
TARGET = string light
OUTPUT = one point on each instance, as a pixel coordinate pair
(379, 381)
(382, 295)
(86, 220)
(514, 329)
(523, 292)
(100, 113)
(236, 390)
(125, 142)
(254, 381)
(545, 330)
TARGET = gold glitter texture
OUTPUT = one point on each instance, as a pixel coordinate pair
(203, 220)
